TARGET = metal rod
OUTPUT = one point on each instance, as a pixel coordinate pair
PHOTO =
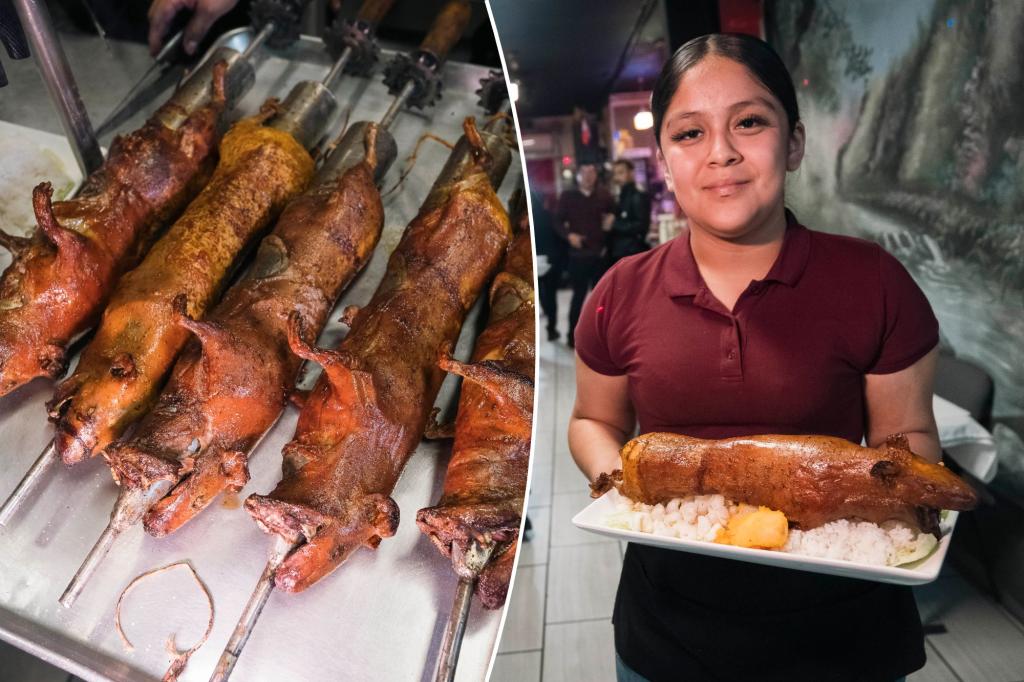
(396, 105)
(259, 39)
(448, 658)
(29, 482)
(60, 82)
(338, 67)
(251, 613)
(131, 504)
(158, 62)
(468, 566)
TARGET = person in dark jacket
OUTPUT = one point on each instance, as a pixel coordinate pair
(583, 217)
(632, 222)
(551, 255)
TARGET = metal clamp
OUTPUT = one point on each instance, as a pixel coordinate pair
(285, 15)
(422, 71)
(356, 36)
(493, 93)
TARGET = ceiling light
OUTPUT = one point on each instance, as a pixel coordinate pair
(644, 120)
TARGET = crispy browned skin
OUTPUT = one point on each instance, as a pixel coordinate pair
(486, 478)
(368, 411)
(62, 276)
(122, 369)
(231, 384)
(811, 479)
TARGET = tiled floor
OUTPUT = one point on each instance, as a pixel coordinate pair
(559, 629)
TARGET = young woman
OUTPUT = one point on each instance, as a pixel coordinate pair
(750, 323)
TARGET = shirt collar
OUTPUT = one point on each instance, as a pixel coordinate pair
(682, 277)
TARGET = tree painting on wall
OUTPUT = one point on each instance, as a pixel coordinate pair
(916, 140)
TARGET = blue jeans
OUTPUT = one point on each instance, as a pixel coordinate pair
(623, 673)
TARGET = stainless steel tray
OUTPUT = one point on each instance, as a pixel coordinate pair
(380, 616)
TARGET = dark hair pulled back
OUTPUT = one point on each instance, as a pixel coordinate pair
(755, 54)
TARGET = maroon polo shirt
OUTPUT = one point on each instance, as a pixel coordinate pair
(790, 358)
(584, 215)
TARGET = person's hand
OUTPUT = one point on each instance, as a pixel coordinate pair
(204, 13)
(576, 240)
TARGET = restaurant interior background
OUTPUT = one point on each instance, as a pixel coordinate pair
(915, 141)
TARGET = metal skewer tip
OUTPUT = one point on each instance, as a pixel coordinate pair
(258, 40)
(28, 483)
(128, 99)
(132, 504)
(448, 658)
(247, 621)
(397, 104)
(468, 566)
(339, 66)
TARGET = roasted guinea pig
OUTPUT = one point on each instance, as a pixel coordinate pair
(124, 366)
(60, 278)
(233, 380)
(486, 478)
(369, 409)
(811, 479)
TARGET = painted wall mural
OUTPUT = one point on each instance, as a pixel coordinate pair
(916, 140)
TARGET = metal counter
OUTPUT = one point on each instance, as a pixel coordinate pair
(380, 616)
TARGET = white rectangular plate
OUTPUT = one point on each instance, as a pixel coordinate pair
(917, 573)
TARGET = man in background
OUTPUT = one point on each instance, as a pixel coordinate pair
(583, 216)
(632, 222)
(551, 254)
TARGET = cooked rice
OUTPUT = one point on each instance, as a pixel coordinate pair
(700, 517)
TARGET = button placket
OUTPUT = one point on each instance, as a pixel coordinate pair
(731, 364)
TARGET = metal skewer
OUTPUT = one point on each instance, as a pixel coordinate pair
(337, 68)
(258, 40)
(396, 105)
(29, 483)
(257, 600)
(132, 504)
(161, 62)
(352, 43)
(468, 567)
